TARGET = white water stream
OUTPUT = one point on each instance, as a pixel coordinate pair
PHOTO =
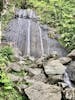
(29, 25)
(42, 48)
(67, 80)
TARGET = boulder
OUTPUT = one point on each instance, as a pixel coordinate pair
(15, 67)
(65, 60)
(41, 91)
(17, 54)
(40, 61)
(14, 78)
(68, 94)
(34, 71)
(41, 77)
(72, 54)
(54, 67)
(36, 74)
(54, 70)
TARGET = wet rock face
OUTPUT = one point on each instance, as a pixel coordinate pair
(25, 32)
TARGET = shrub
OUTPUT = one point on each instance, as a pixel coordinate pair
(6, 54)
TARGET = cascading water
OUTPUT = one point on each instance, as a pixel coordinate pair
(29, 25)
(42, 48)
(67, 80)
(28, 35)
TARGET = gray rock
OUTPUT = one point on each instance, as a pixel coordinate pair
(69, 94)
(32, 58)
(41, 91)
(21, 62)
(36, 74)
(17, 53)
(65, 60)
(15, 67)
(34, 71)
(23, 86)
(14, 78)
(41, 77)
(72, 54)
(62, 84)
(40, 61)
(55, 70)
(54, 67)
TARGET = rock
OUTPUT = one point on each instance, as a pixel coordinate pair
(23, 86)
(65, 60)
(71, 71)
(21, 62)
(34, 71)
(55, 70)
(32, 58)
(36, 74)
(15, 67)
(41, 91)
(39, 61)
(41, 77)
(54, 67)
(14, 78)
(17, 54)
(29, 80)
(69, 94)
(72, 54)
(54, 79)
(62, 84)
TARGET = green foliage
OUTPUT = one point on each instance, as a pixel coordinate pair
(4, 81)
(7, 91)
(11, 95)
(6, 54)
(7, 16)
(59, 14)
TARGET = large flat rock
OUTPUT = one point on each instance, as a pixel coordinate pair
(41, 91)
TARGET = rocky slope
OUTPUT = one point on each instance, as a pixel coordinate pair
(40, 70)
(43, 78)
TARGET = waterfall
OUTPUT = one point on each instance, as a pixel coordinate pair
(41, 41)
(29, 25)
(67, 80)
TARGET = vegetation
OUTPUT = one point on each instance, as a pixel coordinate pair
(1, 5)
(5, 55)
(7, 91)
(59, 14)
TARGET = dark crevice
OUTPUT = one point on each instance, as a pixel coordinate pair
(25, 96)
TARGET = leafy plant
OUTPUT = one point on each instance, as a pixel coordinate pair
(59, 14)
(6, 54)
(5, 81)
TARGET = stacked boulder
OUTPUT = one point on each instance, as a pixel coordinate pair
(43, 78)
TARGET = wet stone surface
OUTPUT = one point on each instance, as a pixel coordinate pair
(31, 37)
